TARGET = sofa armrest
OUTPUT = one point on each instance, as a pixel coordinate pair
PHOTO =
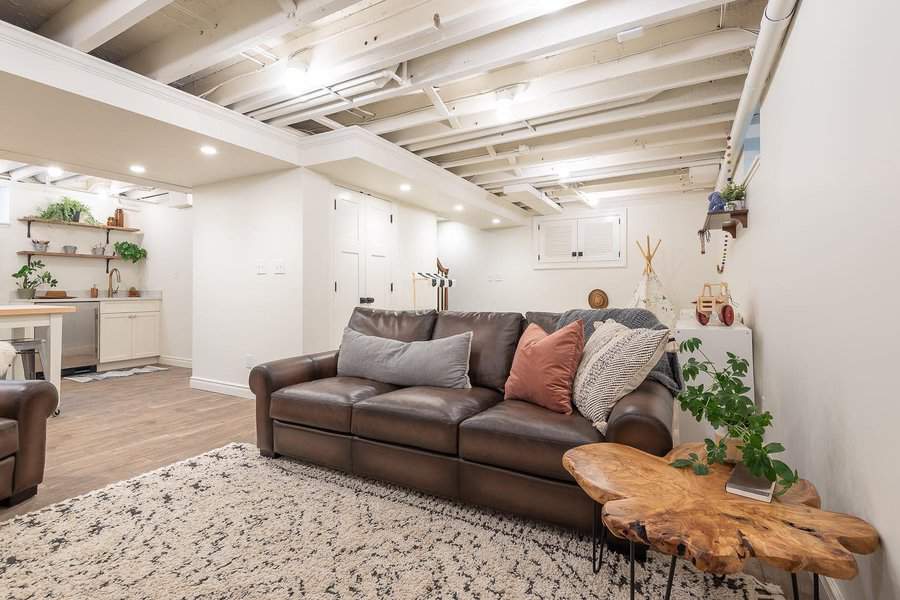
(29, 403)
(643, 419)
(272, 376)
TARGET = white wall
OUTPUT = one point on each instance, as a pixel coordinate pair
(474, 256)
(242, 318)
(168, 238)
(817, 269)
(416, 251)
(285, 215)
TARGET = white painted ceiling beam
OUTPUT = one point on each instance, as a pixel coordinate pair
(536, 200)
(675, 151)
(582, 24)
(238, 25)
(667, 102)
(8, 165)
(440, 106)
(574, 155)
(614, 172)
(26, 172)
(310, 100)
(685, 53)
(713, 125)
(88, 24)
(387, 41)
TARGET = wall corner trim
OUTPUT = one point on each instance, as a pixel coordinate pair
(175, 361)
(221, 387)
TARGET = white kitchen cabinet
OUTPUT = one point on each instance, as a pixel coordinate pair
(129, 330)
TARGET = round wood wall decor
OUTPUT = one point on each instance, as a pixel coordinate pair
(598, 299)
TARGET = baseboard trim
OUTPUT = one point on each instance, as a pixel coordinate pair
(221, 387)
(175, 361)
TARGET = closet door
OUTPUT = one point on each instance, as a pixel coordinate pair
(349, 262)
(379, 239)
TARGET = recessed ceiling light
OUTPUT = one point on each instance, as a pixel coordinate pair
(405, 187)
(458, 207)
(208, 150)
(139, 169)
(54, 171)
(495, 221)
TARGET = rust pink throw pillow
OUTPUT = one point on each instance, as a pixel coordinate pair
(545, 365)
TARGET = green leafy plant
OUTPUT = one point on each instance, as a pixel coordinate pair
(69, 210)
(727, 407)
(734, 192)
(31, 276)
(129, 251)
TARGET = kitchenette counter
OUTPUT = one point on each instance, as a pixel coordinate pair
(85, 297)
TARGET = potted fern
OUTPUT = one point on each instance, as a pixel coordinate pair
(742, 425)
(735, 196)
(129, 251)
(68, 210)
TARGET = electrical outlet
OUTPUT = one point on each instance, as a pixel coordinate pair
(249, 361)
(260, 267)
(278, 266)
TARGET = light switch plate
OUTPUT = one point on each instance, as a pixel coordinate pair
(278, 266)
(249, 361)
(260, 267)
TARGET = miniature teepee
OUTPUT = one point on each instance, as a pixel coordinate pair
(649, 293)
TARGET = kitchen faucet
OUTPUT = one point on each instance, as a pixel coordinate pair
(109, 291)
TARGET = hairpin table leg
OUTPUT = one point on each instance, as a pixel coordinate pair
(671, 577)
(631, 560)
(598, 524)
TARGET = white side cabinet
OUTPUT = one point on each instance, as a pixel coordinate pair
(592, 240)
(129, 330)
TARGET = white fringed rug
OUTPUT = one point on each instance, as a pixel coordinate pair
(231, 525)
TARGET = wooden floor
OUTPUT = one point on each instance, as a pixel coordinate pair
(116, 429)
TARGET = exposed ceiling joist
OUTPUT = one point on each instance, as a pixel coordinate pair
(440, 106)
(88, 24)
(686, 54)
(238, 25)
(581, 24)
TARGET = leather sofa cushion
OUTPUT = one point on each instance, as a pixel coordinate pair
(324, 403)
(524, 437)
(421, 417)
(9, 437)
(494, 339)
(402, 325)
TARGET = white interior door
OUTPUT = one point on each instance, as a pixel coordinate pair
(379, 229)
(349, 264)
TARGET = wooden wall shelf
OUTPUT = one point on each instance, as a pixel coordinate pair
(726, 220)
(32, 219)
(30, 253)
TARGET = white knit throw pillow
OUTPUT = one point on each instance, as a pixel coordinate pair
(615, 362)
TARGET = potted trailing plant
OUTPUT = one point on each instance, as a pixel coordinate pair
(29, 277)
(734, 196)
(130, 251)
(729, 410)
(69, 210)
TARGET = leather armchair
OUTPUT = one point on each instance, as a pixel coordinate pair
(272, 376)
(24, 409)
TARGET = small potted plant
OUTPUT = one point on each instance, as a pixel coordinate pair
(29, 277)
(735, 196)
(129, 251)
(729, 410)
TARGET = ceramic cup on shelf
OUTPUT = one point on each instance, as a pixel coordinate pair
(98, 249)
(40, 245)
(70, 249)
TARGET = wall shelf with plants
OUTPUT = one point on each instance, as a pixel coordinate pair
(727, 209)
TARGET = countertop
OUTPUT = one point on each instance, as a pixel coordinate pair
(18, 310)
(83, 296)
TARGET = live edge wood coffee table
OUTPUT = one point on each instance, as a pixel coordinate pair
(646, 501)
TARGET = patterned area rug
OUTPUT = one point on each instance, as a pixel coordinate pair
(231, 525)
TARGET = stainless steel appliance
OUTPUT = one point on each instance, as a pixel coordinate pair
(80, 337)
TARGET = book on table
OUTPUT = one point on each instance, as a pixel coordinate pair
(744, 483)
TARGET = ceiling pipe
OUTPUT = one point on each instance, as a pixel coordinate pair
(776, 19)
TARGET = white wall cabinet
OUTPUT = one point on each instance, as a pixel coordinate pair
(129, 330)
(588, 241)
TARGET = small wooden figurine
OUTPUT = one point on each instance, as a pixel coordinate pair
(715, 298)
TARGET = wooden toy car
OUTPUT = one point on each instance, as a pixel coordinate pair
(715, 298)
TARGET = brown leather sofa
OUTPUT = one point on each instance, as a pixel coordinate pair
(24, 409)
(467, 444)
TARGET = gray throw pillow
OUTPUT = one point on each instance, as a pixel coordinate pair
(440, 363)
